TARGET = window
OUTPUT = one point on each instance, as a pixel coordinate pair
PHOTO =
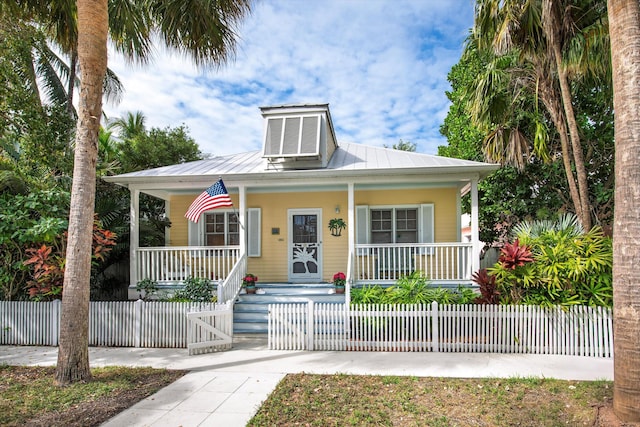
(221, 229)
(394, 225)
(401, 224)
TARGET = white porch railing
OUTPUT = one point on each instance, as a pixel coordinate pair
(578, 331)
(229, 289)
(440, 262)
(172, 264)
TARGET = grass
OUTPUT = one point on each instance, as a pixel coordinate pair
(343, 400)
(28, 395)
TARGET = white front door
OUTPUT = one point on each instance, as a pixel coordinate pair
(305, 245)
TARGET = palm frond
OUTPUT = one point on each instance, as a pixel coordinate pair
(204, 30)
(113, 89)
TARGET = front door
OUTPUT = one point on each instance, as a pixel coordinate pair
(305, 245)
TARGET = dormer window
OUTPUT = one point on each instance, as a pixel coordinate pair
(298, 136)
(293, 136)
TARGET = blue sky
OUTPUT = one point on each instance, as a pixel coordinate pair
(380, 64)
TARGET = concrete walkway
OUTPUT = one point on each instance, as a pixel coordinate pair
(227, 388)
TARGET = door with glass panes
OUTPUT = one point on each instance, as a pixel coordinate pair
(305, 245)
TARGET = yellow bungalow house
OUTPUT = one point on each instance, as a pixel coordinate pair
(401, 210)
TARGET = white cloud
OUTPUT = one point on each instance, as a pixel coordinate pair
(381, 65)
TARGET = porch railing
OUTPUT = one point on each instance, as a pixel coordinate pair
(174, 264)
(440, 262)
(230, 287)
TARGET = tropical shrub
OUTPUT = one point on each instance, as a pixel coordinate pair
(489, 293)
(48, 274)
(411, 289)
(568, 266)
(149, 287)
(196, 289)
(28, 221)
(47, 263)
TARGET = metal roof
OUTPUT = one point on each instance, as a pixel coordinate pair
(348, 159)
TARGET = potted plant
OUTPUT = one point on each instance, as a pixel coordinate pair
(249, 283)
(339, 281)
(336, 225)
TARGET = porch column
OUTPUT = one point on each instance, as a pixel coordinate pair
(475, 235)
(134, 238)
(351, 235)
(242, 197)
(351, 219)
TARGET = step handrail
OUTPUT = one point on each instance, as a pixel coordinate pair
(229, 289)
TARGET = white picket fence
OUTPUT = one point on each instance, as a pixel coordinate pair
(579, 331)
(111, 323)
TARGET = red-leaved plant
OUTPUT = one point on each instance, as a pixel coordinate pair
(489, 293)
(48, 273)
(48, 266)
(514, 255)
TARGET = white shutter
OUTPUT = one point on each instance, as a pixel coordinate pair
(254, 218)
(196, 232)
(273, 137)
(309, 135)
(426, 231)
(362, 226)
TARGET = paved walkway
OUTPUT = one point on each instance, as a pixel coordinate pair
(227, 388)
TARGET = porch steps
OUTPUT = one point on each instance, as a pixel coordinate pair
(251, 311)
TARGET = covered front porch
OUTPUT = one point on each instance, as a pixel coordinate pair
(270, 252)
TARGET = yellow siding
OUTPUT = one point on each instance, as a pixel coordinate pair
(272, 265)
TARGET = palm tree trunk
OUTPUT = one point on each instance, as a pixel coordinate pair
(624, 30)
(576, 145)
(548, 96)
(73, 64)
(552, 25)
(73, 352)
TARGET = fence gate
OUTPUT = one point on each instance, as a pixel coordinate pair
(210, 331)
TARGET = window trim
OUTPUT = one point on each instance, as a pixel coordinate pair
(199, 239)
(426, 221)
(226, 233)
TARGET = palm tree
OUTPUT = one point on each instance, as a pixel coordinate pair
(205, 30)
(540, 33)
(130, 126)
(624, 24)
(73, 350)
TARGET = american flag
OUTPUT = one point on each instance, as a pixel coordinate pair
(213, 197)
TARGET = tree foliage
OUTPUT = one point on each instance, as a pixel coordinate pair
(158, 147)
(538, 51)
(404, 146)
(538, 188)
